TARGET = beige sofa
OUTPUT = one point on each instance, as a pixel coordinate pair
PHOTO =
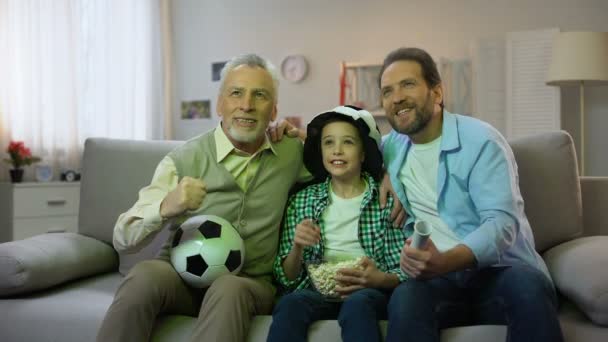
(57, 287)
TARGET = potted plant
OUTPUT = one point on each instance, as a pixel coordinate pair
(19, 156)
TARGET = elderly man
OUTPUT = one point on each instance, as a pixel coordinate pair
(234, 172)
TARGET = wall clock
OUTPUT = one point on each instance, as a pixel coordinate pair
(294, 68)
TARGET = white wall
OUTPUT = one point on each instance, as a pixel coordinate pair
(330, 31)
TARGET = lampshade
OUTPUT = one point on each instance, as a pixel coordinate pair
(579, 56)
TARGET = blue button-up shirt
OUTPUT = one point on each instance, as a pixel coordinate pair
(478, 191)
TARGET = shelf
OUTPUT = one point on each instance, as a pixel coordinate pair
(44, 184)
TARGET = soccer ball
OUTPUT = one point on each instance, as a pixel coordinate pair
(206, 247)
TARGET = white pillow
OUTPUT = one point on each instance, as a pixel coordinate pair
(578, 269)
(50, 259)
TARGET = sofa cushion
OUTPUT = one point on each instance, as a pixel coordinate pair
(69, 313)
(179, 328)
(46, 260)
(113, 172)
(578, 271)
(548, 179)
(577, 327)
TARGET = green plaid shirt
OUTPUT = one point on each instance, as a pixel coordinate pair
(380, 241)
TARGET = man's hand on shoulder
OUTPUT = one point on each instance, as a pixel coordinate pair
(277, 129)
(188, 195)
(398, 214)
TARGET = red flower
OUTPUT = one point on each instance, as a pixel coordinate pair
(14, 146)
(19, 155)
(25, 152)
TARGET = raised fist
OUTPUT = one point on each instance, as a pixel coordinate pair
(188, 195)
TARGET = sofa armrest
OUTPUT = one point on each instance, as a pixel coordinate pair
(595, 196)
(47, 260)
(578, 271)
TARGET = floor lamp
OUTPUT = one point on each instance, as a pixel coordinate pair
(579, 58)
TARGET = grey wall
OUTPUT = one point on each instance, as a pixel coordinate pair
(330, 31)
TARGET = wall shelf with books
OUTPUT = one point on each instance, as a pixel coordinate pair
(359, 87)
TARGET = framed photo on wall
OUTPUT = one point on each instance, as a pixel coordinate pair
(199, 109)
(216, 69)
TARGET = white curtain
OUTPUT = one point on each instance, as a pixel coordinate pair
(73, 69)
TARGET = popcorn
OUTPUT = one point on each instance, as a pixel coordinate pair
(322, 274)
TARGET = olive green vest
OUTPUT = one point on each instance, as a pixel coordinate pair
(256, 213)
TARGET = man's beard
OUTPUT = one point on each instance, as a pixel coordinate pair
(245, 137)
(423, 115)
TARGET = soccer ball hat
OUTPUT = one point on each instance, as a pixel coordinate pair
(368, 132)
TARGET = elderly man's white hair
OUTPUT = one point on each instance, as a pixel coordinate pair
(252, 60)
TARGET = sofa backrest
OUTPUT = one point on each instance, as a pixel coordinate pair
(113, 171)
(549, 183)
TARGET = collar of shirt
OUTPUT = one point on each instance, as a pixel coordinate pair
(450, 139)
(321, 193)
(223, 145)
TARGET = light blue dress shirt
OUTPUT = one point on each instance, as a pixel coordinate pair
(478, 191)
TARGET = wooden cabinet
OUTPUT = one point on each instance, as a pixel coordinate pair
(28, 209)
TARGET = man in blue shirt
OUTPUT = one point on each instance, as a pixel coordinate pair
(458, 174)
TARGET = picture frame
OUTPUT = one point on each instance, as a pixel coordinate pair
(216, 70)
(43, 172)
(198, 109)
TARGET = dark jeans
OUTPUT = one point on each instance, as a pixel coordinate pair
(520, 297)
(358, 315)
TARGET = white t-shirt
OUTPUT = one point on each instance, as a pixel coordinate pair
(341, 222)
(419, 177)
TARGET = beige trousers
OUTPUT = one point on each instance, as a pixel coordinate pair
(153, 288)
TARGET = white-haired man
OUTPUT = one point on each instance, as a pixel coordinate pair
(234, 172)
